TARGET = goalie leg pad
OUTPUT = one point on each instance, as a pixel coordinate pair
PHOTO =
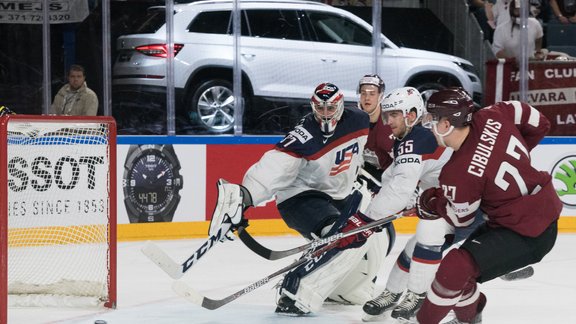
(317, 279)
(358, 286)
(291, 281)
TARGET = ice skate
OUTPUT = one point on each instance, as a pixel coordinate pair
(478, 318)
(287, 307)
(374, 309)
(406, 310)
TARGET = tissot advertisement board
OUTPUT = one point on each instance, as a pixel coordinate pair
(177, 182)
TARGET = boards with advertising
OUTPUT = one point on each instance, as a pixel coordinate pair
(551, 90)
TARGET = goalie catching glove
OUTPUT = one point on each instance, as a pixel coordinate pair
(232, 201)
(355, 241)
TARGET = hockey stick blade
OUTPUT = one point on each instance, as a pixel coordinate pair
(269, 254)
(162, 260)
(171, 267)
(520, 274)
(185, 291)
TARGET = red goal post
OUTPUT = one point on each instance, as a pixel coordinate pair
(57, 211)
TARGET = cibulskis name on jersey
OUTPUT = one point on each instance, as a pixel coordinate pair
(484, 147)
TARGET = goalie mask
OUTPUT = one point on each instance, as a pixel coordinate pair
(327, 105)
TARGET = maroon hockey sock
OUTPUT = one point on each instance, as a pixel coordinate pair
(467, 313)
(457, 273)
(431, 314)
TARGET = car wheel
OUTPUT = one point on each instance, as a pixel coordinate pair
(427, 89)
(212, 106)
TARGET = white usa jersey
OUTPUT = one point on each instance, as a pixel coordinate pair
(417, 162)
(306, 160)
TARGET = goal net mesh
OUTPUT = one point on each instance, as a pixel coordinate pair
(58, 212)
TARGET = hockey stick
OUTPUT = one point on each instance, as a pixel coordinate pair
(269, 254)
(370, 177)
(227, 207)
(185, 291)
(171, 267)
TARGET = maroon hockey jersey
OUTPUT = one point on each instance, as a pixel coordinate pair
(492, 170)
(380, 143)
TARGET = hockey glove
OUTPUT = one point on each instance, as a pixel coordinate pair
(233, 200)
(357, 240)
(426, 204)
(238, 218)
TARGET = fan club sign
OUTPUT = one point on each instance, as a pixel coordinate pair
(551, 89)
(31, 11)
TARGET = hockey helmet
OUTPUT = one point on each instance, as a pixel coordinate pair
(327, 105)
(406, 100)
(452, 103)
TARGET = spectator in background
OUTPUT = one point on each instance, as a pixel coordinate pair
(500, 13)
(482, 10)
(75, 98)
(507, 36)
(564, 10)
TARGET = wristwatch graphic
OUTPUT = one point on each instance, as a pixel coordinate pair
(151, 183)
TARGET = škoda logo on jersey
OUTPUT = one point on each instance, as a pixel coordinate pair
(344, 159)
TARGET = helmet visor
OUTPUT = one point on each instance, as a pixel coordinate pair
(429, 120)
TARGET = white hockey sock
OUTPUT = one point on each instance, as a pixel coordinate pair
(425, 263)
(397, 280)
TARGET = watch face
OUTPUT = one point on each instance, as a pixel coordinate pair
(151, 185)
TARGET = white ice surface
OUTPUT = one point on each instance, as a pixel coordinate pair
(145, 294)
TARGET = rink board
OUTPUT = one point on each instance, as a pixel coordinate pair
(204, 160)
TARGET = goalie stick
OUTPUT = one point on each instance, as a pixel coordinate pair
(184, 290)
(269, 254)
(228, 205)
(171, 267)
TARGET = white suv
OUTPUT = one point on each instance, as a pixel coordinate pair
(287, 47)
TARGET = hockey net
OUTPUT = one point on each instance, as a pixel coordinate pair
(58, 211)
